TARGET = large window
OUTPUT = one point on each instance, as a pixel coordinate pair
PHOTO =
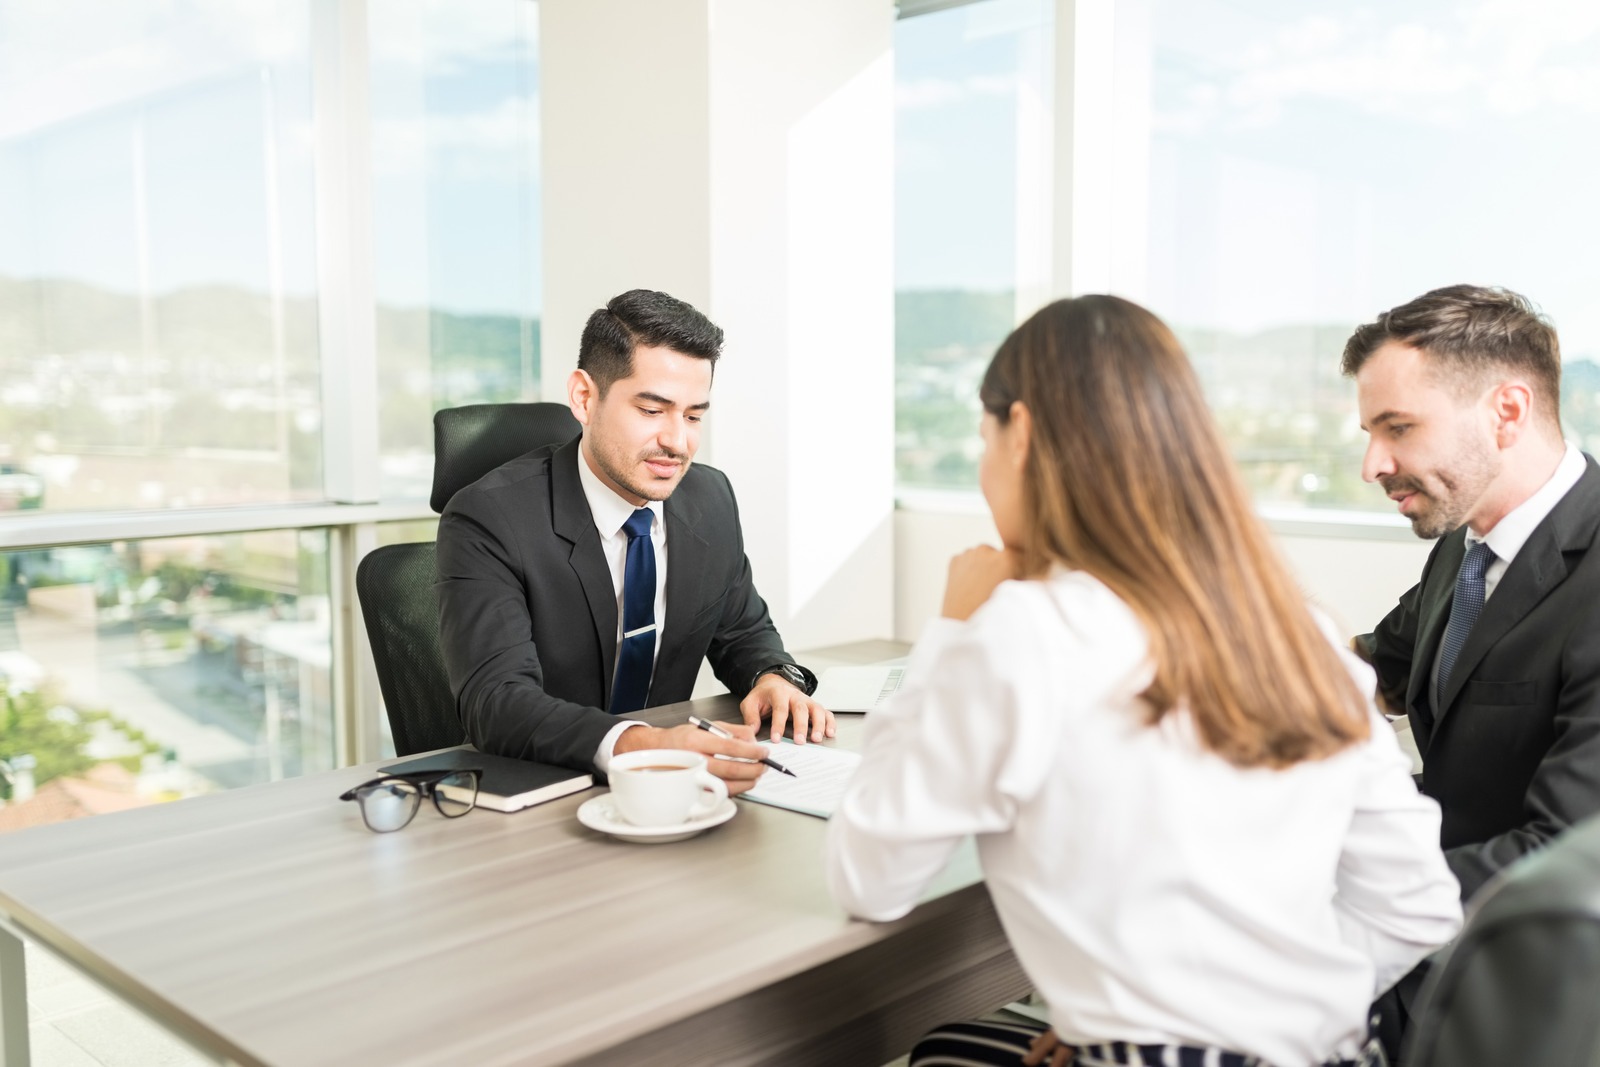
(167, 268)
(1270, 177)
(158, 285)
(971, 152)
(1313, 164)
(455, 135)
(141, 671)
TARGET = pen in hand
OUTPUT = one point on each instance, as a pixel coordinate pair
(713, 728)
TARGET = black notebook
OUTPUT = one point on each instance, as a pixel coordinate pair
(505, 784)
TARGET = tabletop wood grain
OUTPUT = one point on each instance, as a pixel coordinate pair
(267, 925)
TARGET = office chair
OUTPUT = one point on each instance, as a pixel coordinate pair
(395, 584)
(1521, 984)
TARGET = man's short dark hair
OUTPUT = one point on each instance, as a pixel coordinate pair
(643, 317)
(1468, 331)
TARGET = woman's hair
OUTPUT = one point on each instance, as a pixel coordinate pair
(1127, 479)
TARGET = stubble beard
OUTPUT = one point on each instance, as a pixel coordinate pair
(1454, 494)
(656, 491)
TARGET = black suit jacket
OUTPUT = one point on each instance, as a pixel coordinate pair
(1512, 751)
(528, 614)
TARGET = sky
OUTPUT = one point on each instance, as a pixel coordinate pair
(1313, 161)
(153, 144)
(1308, 161)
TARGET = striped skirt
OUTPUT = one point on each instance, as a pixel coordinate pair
(986, 1043)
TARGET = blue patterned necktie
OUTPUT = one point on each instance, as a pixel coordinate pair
(636, 655)
(1465, 607)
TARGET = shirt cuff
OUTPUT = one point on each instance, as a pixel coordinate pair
(608, 744)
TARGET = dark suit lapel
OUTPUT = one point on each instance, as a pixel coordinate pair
(1540, 566)
(573, 522)
(688, 564)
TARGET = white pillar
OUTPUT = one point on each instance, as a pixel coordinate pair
(1101, 157)
(739, 154)
(340, 73)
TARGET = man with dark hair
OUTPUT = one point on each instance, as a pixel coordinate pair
(1495, 654)
(586, 580)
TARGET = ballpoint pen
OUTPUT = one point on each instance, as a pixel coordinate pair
(713, 728)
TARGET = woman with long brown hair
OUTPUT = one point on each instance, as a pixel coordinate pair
(1202, 838)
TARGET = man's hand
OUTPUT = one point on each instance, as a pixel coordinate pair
(775, 696)
(1048, 1048)
(737, 776)
(974, 576)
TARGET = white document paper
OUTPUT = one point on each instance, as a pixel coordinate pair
(821, 774)
(858, 688)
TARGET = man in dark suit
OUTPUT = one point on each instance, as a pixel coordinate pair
(1495, 654)
(586, 580)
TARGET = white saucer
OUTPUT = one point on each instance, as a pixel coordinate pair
(600, 813)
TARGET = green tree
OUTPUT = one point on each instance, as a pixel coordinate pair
(28, 729)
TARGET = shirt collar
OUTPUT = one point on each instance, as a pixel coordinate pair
(608, 509)
(1513, 531)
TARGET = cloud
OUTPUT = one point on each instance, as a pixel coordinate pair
(500, 142)
(940, 92)
(1499, 57)
(59, 61)
(444, 38)
(64, 59)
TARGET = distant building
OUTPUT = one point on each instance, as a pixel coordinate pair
(104, 788)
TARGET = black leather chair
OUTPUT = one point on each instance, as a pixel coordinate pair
(1521, 984)
(395, 583)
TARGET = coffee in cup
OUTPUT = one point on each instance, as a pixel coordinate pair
(664, 787)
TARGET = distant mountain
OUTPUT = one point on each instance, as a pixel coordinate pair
(223, 331)
(227, 359)
(928, 320)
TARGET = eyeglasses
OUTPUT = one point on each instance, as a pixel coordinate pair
(391, 802)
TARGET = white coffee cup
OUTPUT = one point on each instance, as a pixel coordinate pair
(664, 786)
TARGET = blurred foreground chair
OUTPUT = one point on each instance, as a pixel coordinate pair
(1521, 984)
(395, 584)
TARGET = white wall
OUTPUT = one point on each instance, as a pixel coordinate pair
(625, 159)
(803, 281)
(740, 155)
(1355, 579)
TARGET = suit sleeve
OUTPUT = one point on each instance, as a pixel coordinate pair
(1565, 788)
(1390, 648)
(486, 632)
(745, 640)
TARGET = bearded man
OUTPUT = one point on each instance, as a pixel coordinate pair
(1495, 654)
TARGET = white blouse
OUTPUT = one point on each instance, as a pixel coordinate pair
(1152, 891)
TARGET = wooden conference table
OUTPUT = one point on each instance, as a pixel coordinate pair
(269, 926)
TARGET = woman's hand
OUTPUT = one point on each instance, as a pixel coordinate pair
(1048, 1048)
(973, 577)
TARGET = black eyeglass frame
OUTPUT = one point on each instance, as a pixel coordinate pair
(425, 784)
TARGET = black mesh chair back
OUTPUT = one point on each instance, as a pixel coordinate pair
(1521, 984)
(396, 583)
(471, 441)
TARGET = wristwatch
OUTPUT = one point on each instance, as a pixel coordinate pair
(798, 677)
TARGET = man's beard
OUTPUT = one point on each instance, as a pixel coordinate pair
(1458, 492)
(656, 491)
(1437, 516)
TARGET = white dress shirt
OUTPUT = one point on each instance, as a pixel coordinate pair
(1513, 531)
(1152, 891)
(610, 512)
(1508, 535)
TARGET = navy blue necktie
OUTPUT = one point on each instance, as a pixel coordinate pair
(636, 655)
(1464, 607)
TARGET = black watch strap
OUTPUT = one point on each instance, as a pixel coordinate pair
(794, 674)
